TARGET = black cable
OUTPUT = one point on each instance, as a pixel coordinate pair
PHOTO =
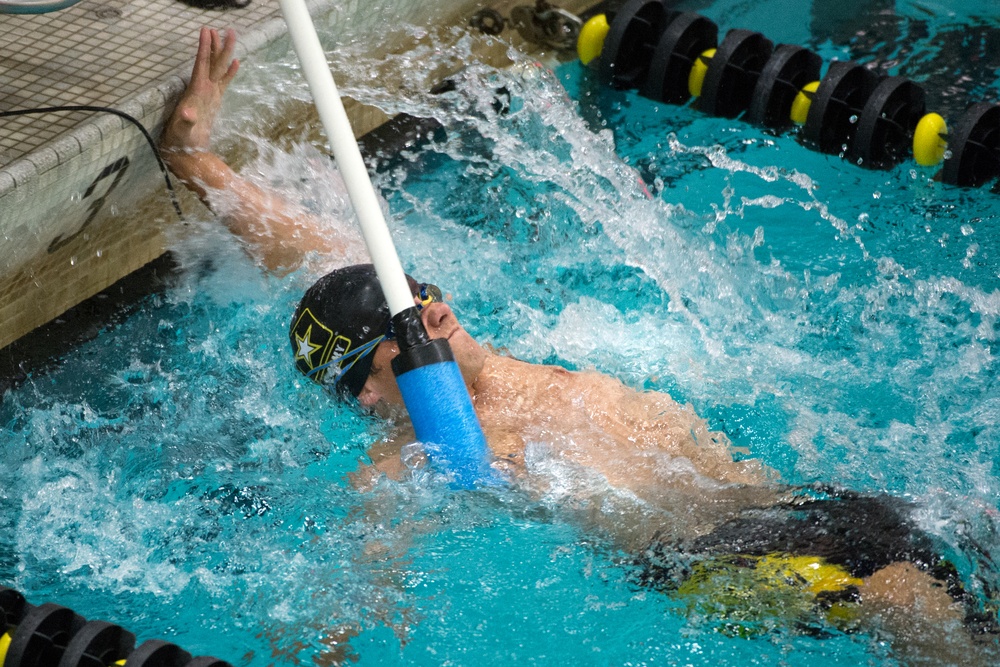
(120, 114)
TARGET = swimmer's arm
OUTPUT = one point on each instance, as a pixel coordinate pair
(279, 234)
(386, 459)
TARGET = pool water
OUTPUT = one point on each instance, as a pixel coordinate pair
(177, 476)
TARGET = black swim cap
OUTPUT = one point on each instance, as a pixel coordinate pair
(342, 312)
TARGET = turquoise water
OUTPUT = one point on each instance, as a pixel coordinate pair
(177, 476)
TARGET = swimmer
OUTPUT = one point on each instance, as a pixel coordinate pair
(689, 509)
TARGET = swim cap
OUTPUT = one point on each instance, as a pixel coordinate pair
(338, 324)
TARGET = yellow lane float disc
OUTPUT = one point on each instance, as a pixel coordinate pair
(929, 144)
(591, 40)
(697, 76)
(4, 646)
(802, 102)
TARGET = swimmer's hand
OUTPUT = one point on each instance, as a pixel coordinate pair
(190, 126)
(278, 233)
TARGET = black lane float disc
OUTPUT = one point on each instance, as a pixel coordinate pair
(208, 662)
(687, 37)
(733, 73)
(885, 129)
(13, 607)
(837, 106)
(158, 653)
(974, 145)
(628, 47)
(42, 636)
(97, 644)
(789, 69)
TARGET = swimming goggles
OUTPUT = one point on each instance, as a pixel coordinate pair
(426, 292)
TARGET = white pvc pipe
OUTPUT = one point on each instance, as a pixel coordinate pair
(345, 150)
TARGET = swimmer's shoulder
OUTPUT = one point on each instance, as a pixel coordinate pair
(504, 358)
(505, 378)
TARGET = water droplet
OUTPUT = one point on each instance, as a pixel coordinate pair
(947, 155)
(72, 260)
(75, 198)
(968, 230)
(100, 253)
(913, 174)
(876, 195)
(853, 119)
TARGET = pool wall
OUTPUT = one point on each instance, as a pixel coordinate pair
(82, 200)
